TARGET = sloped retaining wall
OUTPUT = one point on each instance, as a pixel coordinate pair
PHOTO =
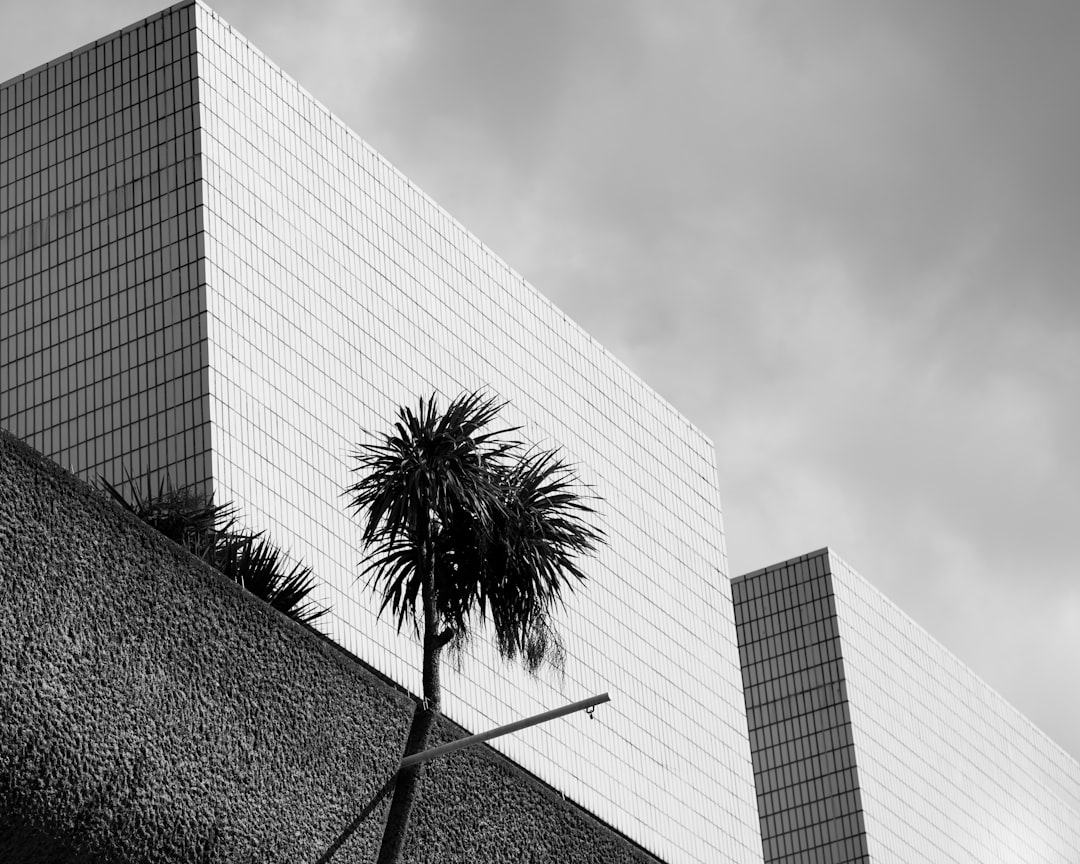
(151, 711)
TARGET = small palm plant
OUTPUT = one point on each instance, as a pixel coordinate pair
(184, 515)
(252, 561)
(465, 525)
(209, 531)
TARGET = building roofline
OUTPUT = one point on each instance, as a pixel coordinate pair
(806, 556)
(100, 41)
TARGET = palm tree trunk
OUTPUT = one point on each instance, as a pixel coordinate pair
(397, 820)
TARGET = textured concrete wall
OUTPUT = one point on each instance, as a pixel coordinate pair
(151, 711)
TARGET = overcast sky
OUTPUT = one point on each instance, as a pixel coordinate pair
(843, 238)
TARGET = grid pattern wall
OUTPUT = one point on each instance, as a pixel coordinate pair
(950, 771)
(102, 336)
(338, 291)
(797, 714)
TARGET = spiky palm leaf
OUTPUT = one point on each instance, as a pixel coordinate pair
(539, 534)
(501, 526)
(410, 483)
(210, 531)
(258, 565)
(183, 515)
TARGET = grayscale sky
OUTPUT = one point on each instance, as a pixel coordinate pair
(843, 238)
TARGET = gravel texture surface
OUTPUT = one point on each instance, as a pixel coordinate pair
(152, 711)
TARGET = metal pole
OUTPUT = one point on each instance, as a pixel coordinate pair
(372, 804)
(417, 758)
(442, 750)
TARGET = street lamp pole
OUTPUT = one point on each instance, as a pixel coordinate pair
(517, 725)
(443, 749)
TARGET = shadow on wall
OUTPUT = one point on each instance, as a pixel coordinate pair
(151, 711)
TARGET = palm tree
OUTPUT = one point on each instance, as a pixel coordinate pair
(465, 525)
(210, 532)
(186, 516)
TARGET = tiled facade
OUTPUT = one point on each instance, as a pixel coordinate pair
(927, 762)
(102, 324)
(248, 286)
(798, 716)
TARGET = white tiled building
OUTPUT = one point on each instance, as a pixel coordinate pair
(872, 742)
(206, 273)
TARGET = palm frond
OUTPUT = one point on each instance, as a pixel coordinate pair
(412, 480)
(256, 564)
(183, 514)
(534, 555)
(211, 532)
(500, 527)
(393, 572)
